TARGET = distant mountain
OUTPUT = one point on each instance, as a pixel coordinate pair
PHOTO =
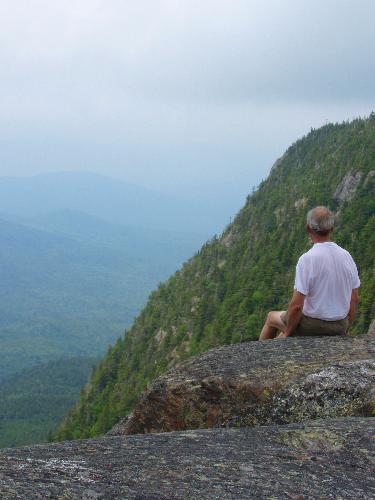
(222, 294)
(113, 200)
(136, 242)
(70, 283)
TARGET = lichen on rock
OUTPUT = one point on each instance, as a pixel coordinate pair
(331, 458)
(339, 390)
(257, 383)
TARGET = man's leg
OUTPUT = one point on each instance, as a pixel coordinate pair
(273, 324)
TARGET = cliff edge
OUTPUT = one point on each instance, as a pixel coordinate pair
(326, 386)
(261, 383)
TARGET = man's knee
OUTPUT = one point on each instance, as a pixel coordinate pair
(272, 318)
(269, 316)
(275, 319)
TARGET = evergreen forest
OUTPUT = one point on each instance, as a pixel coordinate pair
(33, 400)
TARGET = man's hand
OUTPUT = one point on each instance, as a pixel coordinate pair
(281, 336)
(294, 313)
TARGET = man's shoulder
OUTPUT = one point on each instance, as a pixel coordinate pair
(342, 250)
(306, 255)
(320, 251)
(304, 260)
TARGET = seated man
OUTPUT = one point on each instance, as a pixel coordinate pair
(326, 287)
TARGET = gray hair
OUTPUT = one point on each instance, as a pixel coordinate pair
(321, 219)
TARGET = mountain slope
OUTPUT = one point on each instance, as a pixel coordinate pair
(69, 283)
(223, 293)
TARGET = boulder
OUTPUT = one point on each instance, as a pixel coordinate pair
(331, 458)
(258, 383)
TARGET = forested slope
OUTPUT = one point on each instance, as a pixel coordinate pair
(34, 400)
(223, 293)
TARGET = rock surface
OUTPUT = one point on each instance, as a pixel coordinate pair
(339, 390)
(259, 383)
(321, 459)
(117, 429)
(347, 187)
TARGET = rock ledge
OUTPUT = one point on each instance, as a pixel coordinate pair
(321, 459)
(261, 383)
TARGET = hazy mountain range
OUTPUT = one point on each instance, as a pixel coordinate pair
(79, 255)
(113, 200)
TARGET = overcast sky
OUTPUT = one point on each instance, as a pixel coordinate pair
(177, 93)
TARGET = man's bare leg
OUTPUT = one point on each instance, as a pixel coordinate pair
(272, 326)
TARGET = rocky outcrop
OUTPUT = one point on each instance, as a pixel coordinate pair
(238, 386)
(321, 459)
(347, 187)
(339, 390)
(259, 383)
(301, 203)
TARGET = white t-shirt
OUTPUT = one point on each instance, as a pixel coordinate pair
(326, 274)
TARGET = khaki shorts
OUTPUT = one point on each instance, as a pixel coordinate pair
(310, 327)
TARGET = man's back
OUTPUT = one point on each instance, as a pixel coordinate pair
(325, 295)
(326, 275)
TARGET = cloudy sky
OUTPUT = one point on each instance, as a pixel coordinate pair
(185, 95)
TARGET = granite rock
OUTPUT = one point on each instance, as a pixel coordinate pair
(258, 383)
(339, 390)
(347, 187)
(118, 428)
(331, 458)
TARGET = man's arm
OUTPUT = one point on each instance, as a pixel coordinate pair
(354, 301)
(294, 313)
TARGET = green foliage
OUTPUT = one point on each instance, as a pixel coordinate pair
(35, 400)
(223, 293)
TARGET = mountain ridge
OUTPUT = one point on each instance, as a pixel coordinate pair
(222, 294)
(111, 199)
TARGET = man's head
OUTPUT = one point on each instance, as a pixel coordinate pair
(320, 221)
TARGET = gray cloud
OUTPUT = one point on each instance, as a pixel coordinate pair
(172, 92)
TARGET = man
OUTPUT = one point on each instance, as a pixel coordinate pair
(326, 287)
